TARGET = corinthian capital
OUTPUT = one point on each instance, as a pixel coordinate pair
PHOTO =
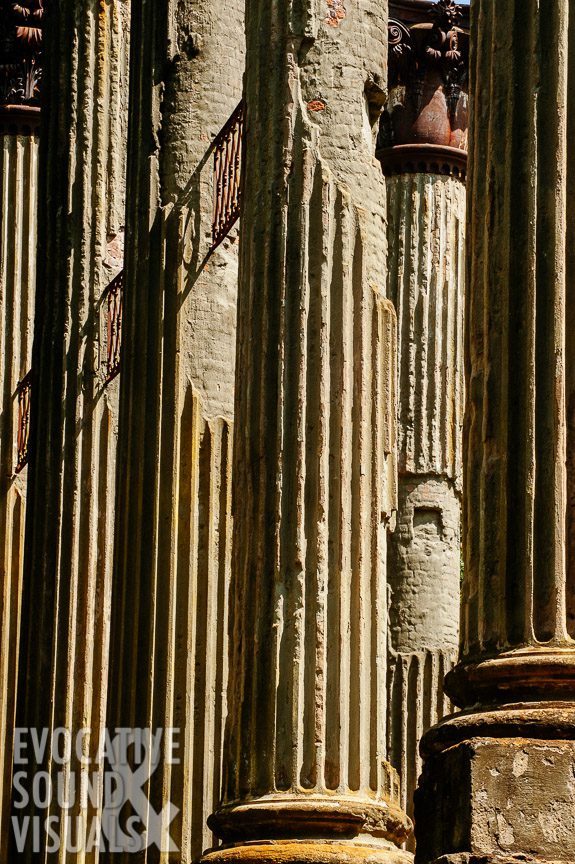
(428, 87)
(20, 51)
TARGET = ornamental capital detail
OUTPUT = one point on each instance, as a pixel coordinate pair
(428, 77)
(439, 44)
(21, 52)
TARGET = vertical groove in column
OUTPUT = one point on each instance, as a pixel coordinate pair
(64, 659)
(570, 343)
(207, 630)
(416, 703)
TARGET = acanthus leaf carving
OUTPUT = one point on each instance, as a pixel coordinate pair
(21, 52)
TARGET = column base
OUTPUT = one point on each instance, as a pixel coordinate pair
(312, 828)
(329, 817)
(308, 852)
(542, 673)
(492, 794)
(548, 721)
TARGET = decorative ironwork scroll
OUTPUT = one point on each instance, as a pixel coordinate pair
(24, 393)
(227, 174)
(114, 325)
(435, 43)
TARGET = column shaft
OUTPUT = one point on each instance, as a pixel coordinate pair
(19, 183)
(423, 141)
(426, 282)
(67, 559)
(173, 527)
(19, 144)
(495, 773)
(516, 594)
(314, 460)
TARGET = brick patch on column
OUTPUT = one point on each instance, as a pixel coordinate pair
(336, 12)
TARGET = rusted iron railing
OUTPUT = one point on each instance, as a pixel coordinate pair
(24, 392)
(114, 298)
(227, 173)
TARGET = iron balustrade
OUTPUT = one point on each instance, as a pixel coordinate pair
(227, 175)
(114, 297)
(24, 392)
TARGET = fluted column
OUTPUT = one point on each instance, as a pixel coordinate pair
(510, 755)
(423, 151)
(426, 238)
(19, 143)
(68, 541)
(173, 526)
(19, 184)
(305, 770)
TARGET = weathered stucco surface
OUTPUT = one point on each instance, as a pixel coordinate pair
(520, 797)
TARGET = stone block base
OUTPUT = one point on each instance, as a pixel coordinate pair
(308, 852)
(497, 801)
